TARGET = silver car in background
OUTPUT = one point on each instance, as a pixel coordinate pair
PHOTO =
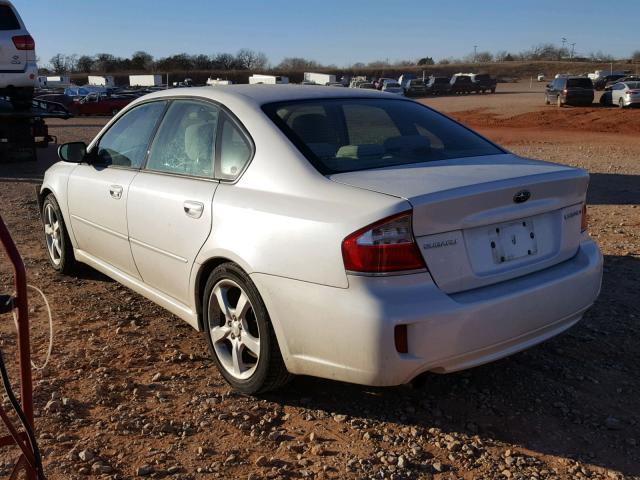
(340, 233)
(625, 94)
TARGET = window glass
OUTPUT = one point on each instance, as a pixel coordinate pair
(235, 151)
(579, 82)
(8, 20)
(355, 134)
(125, 143)
(185, 140)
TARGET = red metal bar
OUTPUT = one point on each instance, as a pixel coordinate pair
(24, 347)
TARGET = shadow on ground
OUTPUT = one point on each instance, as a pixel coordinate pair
(574, 396)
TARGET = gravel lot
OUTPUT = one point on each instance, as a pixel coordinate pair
(130, 390)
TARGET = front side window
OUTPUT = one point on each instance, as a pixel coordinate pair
(342, 135)
(125, 143)
(185, 141)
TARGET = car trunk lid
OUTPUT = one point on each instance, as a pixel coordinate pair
(472, 221)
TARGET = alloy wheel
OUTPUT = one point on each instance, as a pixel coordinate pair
(53, 234)
(234, 330)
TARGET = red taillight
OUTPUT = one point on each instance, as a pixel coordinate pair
(565, 91)
(383, 247)
(24, 42)
(584, 223)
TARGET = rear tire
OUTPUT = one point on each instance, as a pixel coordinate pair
(59, 248)
(239, 333)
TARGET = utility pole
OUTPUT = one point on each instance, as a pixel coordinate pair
(573, 48)
(475, 54)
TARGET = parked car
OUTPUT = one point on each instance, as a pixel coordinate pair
(415, 88)
(366, 85)
(99, 104)
(461, 84)
(405, 78)
(438, 85)
(629, 78)
(323, 218)
(483, 82)
(379, 83)
(623, 94)
(393, 87)
(601, 82)
(569, 91)
(18, 69)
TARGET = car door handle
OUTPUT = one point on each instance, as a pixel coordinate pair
(115, 191)
(193, 209)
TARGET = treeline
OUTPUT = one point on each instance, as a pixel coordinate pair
(246, 59)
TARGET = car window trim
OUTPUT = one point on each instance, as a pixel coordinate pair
(96, 141)
(224, 109)
(155, 133)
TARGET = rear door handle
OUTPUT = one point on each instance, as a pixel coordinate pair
(115, 191)
(193, 209)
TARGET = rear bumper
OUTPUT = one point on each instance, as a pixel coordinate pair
(19, 79)
(348, 334)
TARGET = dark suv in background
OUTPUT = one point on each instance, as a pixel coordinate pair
(570, 91)
(438, 85)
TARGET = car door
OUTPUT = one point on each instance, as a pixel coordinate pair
(617, 91)
(169, 204)
(97, 191)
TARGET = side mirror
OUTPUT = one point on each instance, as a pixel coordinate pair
(73, 152)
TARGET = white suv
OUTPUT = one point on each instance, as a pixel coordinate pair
(18, 69)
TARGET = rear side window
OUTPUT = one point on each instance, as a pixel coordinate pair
(579, 82)
(8, 19)
(235, 151)
(343, 135)
(185, 140)
(125, 143)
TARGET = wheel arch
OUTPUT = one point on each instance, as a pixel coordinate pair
(204, 270)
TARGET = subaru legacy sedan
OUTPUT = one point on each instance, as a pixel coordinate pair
(351, 235)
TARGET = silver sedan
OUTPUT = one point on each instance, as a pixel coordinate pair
(346, 234)
(625, 94)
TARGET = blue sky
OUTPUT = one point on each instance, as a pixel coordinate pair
(329, 31)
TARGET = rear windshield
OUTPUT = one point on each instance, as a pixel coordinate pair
(633, 85)
(8, 20)
(579, 82)
(345, 135)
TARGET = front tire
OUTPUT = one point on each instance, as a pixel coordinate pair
(559, 101)
(621, 103)
(59, 248)
(239, 332)
(546, 100)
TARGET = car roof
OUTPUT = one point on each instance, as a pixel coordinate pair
(263, 94)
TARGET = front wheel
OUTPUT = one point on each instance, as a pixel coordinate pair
(621, 103)
(59, 248)
(546, 100)
(559, 101)
(239, 332)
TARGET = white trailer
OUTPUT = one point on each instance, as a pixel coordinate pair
(319, 78)
(101, 80)
(154, 80)
(59, 81)
(267, 79)
(217, 81)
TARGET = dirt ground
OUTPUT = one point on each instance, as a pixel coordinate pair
(130, 390)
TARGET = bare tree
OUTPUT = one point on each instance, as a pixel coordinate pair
(251, 60)
(85, 64)
(61, 63)
(141, 60)
(297, 64)
(224, 61)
